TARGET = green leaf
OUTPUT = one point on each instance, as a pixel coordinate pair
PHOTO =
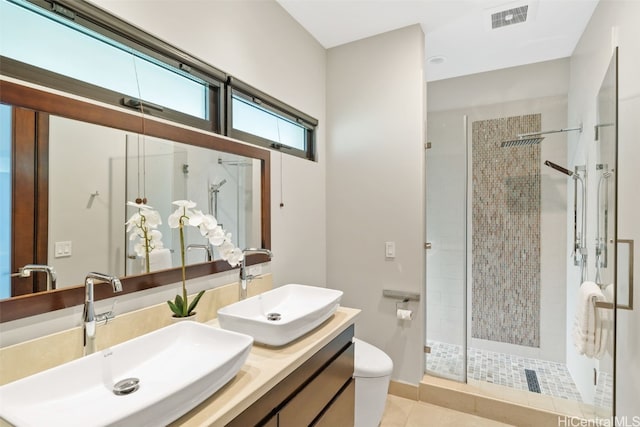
(195, 301)
(175, 309)
(179, 303)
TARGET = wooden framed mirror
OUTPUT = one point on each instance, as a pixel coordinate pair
(36, 110)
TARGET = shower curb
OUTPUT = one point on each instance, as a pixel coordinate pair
(469, 399)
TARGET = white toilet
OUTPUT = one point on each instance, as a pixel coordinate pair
(372, 372)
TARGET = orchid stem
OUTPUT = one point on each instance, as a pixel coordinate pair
(184, 275)
(145, 231)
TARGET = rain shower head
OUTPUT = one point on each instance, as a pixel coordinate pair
(522, 140)
(558, 168)
(533, 138)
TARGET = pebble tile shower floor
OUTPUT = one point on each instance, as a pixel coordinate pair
(504, 369)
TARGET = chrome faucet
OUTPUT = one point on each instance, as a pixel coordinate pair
(244, 277)
(203, 247)
(32, 268)
(89, 317)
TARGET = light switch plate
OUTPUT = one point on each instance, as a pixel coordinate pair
(390, 249)
(62, 249)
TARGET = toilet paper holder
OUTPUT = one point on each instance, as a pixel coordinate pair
(403, 296)
(402, 301)
(402, 305)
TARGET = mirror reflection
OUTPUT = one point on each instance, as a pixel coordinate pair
(93, 171)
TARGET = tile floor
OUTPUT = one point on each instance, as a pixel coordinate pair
(504, 369)
(400, 412)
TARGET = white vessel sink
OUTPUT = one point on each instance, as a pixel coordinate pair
(178, 367)
(281, 315)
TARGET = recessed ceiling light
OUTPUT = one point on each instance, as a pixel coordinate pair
(437, 59)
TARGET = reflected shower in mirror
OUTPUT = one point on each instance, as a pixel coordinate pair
(95, 170)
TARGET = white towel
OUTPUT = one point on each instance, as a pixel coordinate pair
(160, 259)
(606, 323)
(587, 326)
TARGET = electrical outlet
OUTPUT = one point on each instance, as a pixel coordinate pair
(255, 270)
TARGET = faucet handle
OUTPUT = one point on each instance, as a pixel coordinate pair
(103, 318)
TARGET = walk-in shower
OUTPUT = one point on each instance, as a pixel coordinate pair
(500, 224)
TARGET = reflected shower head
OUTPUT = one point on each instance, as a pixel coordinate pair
(522, 140)
(216, 187)
(558, 168)
(533, 138)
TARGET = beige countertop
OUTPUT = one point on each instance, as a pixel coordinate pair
(265, 367)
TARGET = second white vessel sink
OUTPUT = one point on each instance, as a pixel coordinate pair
(281, 315)
(175, 367)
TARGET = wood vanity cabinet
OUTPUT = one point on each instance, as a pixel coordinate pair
(321, 392)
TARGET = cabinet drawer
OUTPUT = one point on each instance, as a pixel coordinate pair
(341, 413)
(302, 409)
(274, 400)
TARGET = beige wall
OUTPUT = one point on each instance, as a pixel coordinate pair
(539, 80)
(375, 187)
(259, 43)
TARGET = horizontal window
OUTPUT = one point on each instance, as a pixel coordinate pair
(249, 116)
(51, 42)
(258, 118)
(76, 47)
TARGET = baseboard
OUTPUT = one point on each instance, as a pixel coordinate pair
(402, 389)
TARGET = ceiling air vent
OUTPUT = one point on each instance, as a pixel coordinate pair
(509, 17)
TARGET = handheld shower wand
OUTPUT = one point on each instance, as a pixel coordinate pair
(558, 168)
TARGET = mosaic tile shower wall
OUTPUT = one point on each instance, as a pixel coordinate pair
(506, 233)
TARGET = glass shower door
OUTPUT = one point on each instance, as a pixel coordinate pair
(446, 161)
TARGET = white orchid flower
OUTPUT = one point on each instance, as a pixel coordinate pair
(182, 211)
(188, 204)
(142, 226)
(225, 250)
(196, 218)
(134, 221)
(209, 223)
(139, 249)
(216, 236)
(235, 257)
(139, 205)
(174, 218)
(155, 236)
(152, 216)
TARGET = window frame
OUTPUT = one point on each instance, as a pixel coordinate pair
(220, 90)
(240, 89)
(100, 21)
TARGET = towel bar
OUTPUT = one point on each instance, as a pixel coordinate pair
(603, 304)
